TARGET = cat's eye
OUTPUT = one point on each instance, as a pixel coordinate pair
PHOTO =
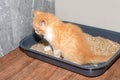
(42, 23)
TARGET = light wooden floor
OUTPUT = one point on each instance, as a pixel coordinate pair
(18, 66)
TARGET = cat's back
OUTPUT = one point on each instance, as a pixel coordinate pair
(72, 29)
(67, 32)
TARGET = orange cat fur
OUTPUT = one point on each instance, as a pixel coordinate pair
(66, 39)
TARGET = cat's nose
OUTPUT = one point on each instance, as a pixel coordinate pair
(36, 32)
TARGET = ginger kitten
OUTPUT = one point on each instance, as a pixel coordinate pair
(67, 40)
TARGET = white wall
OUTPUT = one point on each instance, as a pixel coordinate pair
(99, 13)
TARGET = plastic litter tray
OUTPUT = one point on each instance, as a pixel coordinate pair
(86, 70)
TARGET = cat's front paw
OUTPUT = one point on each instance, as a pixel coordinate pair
(47, 48)
(57, 53)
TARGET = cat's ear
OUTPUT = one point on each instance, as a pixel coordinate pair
(36, 12)
(42, 23)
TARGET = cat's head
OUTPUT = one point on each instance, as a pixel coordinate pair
(42, 21)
